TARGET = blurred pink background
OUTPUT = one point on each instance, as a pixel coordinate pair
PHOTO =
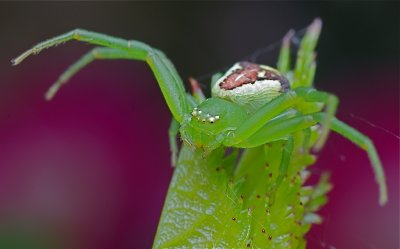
(91, 168)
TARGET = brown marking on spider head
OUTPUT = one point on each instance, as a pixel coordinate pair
(249, 74)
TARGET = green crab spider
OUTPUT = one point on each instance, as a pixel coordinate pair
(251, 104)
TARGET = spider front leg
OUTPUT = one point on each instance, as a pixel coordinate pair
(138, 49)
(277, 106)
(367, 145)
(282, 127)
(330, 102)
(168, 79)
(94, 54)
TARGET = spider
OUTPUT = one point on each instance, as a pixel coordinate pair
(251, 104)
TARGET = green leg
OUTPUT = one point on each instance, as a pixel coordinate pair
(96, 53)
(170, 84)
(167, 77)
(138, 49)
(331, 103)
(172, 133)
(364, 143)
(280, 128)
(277, 106)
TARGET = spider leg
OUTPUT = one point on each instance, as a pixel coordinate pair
(172, 133)
(275, 107)
(281, 127)
(304, 71)
(278, 129)
(94, 54)
(139, 49)
(367, 145)
(331, 103)
(167, 77)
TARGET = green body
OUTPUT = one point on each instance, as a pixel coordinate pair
(207, 136)
(240, 173)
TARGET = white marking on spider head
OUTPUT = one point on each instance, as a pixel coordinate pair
(198, 114)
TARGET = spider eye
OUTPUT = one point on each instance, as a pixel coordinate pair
(198, 114)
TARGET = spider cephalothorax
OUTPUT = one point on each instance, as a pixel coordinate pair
(232, 102)
(250, 85)
(208, 124)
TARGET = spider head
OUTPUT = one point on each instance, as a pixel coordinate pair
(210, 122)
(250, 85)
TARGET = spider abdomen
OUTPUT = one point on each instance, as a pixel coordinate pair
(250, 85)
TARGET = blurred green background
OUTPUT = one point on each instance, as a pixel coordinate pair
(91, 168)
